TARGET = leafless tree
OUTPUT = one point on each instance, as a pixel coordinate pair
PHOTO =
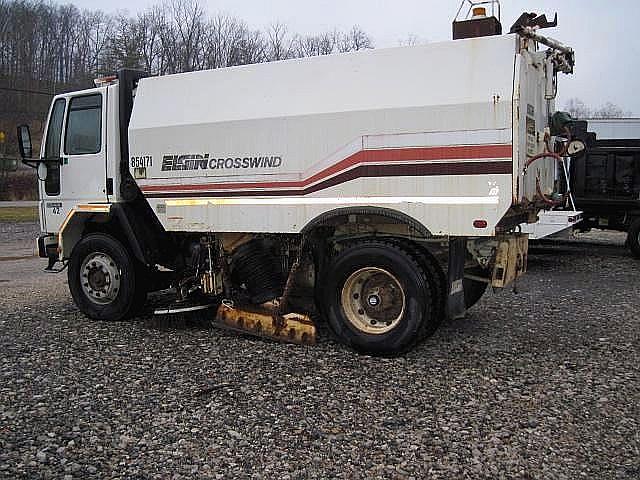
(48, 48)
(61, 44)
(312, 45)
(355, 39)
(610, 110)
(188, 23)
(230, 42)
(411, 40)
(279, 44)
(124, 48)
(578, 109)
(148, 25)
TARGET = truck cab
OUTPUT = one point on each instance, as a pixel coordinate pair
(76, 150)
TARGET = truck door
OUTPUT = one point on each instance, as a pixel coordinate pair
(76, 143)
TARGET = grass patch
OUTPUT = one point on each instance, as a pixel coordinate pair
(18, 214)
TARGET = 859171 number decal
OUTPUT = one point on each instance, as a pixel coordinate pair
(142, 161)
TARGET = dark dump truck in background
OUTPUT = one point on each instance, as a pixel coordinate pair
(605, 180)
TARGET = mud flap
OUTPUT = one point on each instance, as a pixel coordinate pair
(455, 275)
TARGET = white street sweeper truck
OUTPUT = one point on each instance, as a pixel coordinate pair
(388, 185)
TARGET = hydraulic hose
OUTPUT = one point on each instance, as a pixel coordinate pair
(558, 158)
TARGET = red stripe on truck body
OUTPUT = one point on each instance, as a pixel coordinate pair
(424, 161)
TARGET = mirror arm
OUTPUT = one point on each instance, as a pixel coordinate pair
(34, 162)
(29, 162)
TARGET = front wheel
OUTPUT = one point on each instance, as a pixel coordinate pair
(103, 279)
(377, 299)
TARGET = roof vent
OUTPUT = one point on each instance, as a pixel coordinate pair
(476, 22)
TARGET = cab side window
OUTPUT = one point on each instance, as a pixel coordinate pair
(84, 125)
(52, 148)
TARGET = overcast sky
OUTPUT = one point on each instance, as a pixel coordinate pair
(603, 33)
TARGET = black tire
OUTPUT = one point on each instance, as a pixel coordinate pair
(474, 289)
(633, 238)
(125, 299)
(395, 267)
(436, 279)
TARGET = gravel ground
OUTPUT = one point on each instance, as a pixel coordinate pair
(542, 384)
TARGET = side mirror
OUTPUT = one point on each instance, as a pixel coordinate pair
(24, 142)
(42, 171)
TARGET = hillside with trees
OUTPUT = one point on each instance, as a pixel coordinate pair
(48, 48)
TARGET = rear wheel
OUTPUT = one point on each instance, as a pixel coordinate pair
(104, 280)
(376, 298)
(633, 238)
(435, 276)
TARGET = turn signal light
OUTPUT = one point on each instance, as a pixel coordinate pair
(480, 224)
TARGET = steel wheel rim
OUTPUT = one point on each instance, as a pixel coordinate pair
(373, 300)
(100, 278)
